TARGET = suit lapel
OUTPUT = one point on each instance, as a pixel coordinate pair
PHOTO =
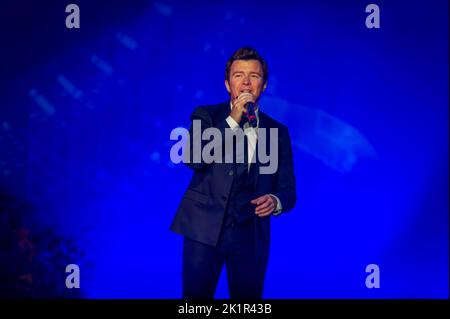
(224, 111)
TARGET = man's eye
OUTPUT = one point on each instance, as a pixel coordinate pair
(255, 76)
(237, 75)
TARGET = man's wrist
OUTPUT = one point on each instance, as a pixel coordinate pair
(232, 122)
(278, 208)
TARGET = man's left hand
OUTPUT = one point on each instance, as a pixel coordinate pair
(265, 205)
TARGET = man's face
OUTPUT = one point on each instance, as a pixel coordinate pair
(245, 76)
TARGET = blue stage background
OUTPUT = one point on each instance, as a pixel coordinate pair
(85, 119)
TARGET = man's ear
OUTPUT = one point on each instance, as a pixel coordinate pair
(227, 85)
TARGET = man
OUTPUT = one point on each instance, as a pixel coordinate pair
(225, 212)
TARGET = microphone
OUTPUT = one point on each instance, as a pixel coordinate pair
(251, 114)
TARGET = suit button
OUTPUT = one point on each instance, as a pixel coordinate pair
(230, 173)
(224, 198)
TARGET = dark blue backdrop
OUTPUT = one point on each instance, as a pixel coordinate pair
(85, 119)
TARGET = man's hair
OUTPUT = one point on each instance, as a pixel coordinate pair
(247, 53)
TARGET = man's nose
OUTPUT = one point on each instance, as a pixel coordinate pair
(246, 80)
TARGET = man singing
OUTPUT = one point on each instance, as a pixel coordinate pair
(225, 212)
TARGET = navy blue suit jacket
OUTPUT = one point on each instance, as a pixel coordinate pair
(201, 211)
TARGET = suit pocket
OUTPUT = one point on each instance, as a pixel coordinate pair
(196, 196)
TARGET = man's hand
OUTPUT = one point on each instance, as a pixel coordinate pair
(239, 106)
(265, 205)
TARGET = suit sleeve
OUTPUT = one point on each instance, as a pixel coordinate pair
(285, 185)
(205, 120)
